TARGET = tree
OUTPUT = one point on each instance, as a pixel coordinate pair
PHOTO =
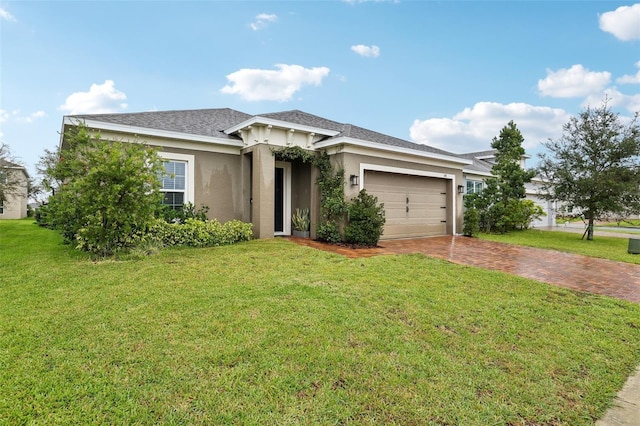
(10, 183)
(107, 192)
(501, 205)
(594, 165)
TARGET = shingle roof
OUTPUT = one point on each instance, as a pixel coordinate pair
(305, 119)
(203, 122)
(350, 131)
(472, 155)
(479, 166)
(213, 122)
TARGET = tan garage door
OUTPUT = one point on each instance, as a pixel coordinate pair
(415, 206)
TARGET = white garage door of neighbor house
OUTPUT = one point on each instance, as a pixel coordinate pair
(415, 206)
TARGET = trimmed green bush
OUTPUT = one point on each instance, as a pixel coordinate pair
(365, 220)
(197, 233)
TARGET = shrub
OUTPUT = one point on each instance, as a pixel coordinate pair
(188, 211)
(197, 233)
(109, 193)
(471, 222)
(329, 232)
(522, 212)
(365, 220)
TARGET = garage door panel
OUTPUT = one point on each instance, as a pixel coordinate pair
(426, 198)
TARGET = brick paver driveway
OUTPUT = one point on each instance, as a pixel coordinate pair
(616, 279)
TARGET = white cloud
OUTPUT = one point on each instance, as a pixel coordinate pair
(474, 128)
(630, 79)
(366, 51)
(623, 23)
(576, 81)
(273, 85)
(16, 116)
(100, 99)
(31, 117)
(6, 16)
(262, 20)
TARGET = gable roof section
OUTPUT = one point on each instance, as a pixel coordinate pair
(202, 122)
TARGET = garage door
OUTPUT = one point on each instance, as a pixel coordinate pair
(415, 206)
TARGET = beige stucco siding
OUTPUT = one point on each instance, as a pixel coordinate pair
(16, 205)
(217, 183)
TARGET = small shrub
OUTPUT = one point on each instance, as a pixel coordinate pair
(188, 211)
(365, 220)
(523, 212)
(471, 222)
(329, 232)
(146, 247)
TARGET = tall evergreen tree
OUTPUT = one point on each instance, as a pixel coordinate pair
(501, 205)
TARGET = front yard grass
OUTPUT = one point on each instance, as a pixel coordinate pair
(268, 332)
(612, 248)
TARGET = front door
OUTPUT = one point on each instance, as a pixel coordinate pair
(282, 199)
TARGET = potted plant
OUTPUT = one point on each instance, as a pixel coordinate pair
(300, 222)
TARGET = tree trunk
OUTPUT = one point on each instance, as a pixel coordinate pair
(590, 228)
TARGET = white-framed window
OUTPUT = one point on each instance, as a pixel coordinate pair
(475, 186)
(178, 179)
(1, 208)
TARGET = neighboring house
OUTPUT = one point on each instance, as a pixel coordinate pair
(224, 159)
(15, 206)
(480, 169)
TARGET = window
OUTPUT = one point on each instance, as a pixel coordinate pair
(1, 208)
(177, 181)
(174, 183)
(474, 186)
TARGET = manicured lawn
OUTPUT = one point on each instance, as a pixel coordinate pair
(612, 248)
(268, 332)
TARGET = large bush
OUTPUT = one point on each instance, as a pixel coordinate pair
(108, 194)
(365, 220)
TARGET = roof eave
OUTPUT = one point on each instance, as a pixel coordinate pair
(390, 148)
(135, 130)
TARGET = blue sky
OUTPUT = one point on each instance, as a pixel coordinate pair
(449, 74)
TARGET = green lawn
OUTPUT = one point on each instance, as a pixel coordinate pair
(271, 333)
(612, 248)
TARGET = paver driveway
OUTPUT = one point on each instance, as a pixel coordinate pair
(616, 279)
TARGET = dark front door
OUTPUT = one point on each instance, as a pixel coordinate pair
(279, 200)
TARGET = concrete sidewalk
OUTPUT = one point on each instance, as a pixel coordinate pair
(598, 231)
(626, 406)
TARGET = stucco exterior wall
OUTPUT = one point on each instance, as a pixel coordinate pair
(217, 183)
(16, 205)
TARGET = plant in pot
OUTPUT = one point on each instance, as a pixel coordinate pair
(301, 222)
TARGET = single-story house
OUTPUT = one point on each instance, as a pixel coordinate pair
(480, 169)
(15, 205)
(224, 159)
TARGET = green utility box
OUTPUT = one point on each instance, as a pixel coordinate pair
(634, 246)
